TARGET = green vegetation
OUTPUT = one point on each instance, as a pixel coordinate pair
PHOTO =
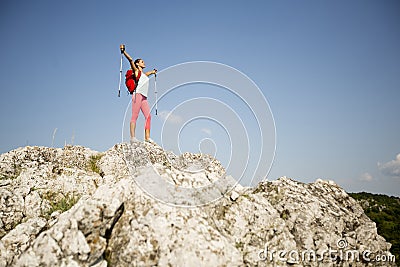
(16, 168)
(14, 173)
(385, 212)
(239, 245)
(93, 166)
(58, 203)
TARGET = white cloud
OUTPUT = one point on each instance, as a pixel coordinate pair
(391, 168)
(366, 177)
(206, 131)
(169, 117)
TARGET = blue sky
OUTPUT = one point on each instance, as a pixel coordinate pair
(330, 71)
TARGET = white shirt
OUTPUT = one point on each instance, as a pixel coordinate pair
(143, 84)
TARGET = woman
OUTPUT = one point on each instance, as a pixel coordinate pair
(139, 98)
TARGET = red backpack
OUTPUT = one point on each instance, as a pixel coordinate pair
(131, 81)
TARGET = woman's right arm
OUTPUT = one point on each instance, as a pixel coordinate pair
(128, 57)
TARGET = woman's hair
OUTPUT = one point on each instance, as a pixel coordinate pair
(137, 61)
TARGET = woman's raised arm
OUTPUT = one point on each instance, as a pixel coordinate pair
(128, 57)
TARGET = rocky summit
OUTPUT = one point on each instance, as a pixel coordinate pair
(139, 205)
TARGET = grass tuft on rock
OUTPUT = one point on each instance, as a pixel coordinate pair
(93, 163)
(57, 203)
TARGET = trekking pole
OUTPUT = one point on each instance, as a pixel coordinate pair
(155, 90)
(120, 76)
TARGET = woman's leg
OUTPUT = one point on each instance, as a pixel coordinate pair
(146, 112)
(132, 128)
(136, 104)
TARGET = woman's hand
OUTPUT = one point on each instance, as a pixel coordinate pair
(122, 48)
(154, 71)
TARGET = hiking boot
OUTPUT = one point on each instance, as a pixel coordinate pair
(150, 141)
(133, 140)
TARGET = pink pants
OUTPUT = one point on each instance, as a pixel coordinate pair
(140, 103)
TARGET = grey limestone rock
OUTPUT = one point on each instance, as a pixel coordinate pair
(78, 207)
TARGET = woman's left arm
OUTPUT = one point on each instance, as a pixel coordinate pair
(154, 71)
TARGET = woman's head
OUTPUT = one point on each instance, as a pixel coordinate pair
(140, 63)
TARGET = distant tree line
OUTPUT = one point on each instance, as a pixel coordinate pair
(385, 212)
